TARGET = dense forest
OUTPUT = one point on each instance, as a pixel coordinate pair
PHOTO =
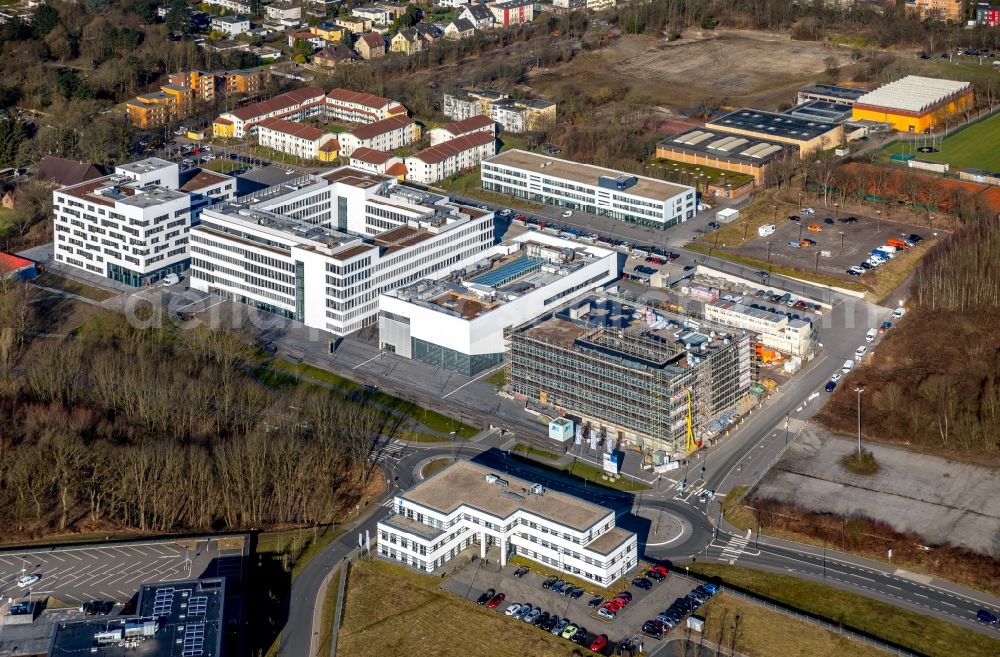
(934, 383)
(163, 430)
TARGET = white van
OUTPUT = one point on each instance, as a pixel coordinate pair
(848, 366)
(871, 335)
(765, 230)
(860, 352)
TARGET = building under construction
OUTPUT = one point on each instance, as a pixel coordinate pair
(648, 380)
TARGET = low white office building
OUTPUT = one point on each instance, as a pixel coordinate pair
(593, 189)
(131, 226)
(320, 249)
(458, 322)
(775, 331)
(468, 504)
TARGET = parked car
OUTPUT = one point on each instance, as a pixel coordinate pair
(659, 568)
(512, 609)
(171, 279)
(860, 352)
(27, 580)
(522, 571)
(560, 626)
(569, 631)
(596, 602)
(580, 637)
(567, 214)
(525, 609)
(794, 245)
(884, 326)
(898, 313)
(712, 589)
(486, 597)
(871, 335)
(830, 386)
(542, 620)
(606, 613)
(599, 643)
(549, 581)
(577, 593)
(847, 366)
(642, 583)
(532, 616)
(558, 586)
(828, 221)
(807, 211)
(815, 228)
(495, 601)
(855, 271)
(655, 576)
(654, 628)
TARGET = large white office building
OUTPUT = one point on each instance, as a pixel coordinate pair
(593, 189)
(467, 504)
(132, 226)
(458, 322)
(320, 249)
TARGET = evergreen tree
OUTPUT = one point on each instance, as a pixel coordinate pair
(46, 18)
(11, 132)
(178, 17)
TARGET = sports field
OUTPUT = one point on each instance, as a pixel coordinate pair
(977, 146)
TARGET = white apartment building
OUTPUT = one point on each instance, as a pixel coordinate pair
(601, 5)
(451, 157)
(454, 4)
(230, 25)
(131, 226)
(235, 6)
(320, 249)
(377, 15)
(359, 107)
(385, 135)
(600, 191)
(292, 105)
(458, 322)
(513, 115)
(368, 159)
(296, 139)
(283, 11)
(467, 126)
(468, 504)
(774, 331)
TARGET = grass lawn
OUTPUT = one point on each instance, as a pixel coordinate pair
(278, 156)
(498, 378)
(6, 216)
(783, 271)
(763, 632)
(277, 372)
(335, 128)
(296, 547)
(435, 466)
(534, 451)
(764, 210)
(689, 174)
(48, 279)
(329, 613)
(884, 280)
(222, 165)
(586, 472)
(920, 633)
(467, 184)
(391, 610)
(977, 146)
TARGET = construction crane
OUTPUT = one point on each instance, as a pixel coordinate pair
(690, 445)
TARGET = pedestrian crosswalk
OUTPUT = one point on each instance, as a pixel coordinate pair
(734, 548)
(391, 450)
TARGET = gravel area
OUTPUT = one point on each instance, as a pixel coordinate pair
(943, 501)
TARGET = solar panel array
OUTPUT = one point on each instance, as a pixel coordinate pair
(509, 272)
(163, 602)
(194, 640)
(197, 605)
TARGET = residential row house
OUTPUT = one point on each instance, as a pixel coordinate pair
(385, 135)
(304, 141)
(513, 115)
(337, 105)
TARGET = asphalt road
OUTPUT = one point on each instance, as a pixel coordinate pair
(106, 572)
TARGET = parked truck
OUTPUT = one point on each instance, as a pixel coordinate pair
(899, 244)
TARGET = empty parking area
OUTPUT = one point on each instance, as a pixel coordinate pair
(473, 580)
(107, 571)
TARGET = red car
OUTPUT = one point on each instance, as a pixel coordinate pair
(599, 643)
(625, 597)
(659, 569)
(495, 601)
(614, 605)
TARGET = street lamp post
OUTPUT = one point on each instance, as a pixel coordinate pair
(859, 390)
(836, 211)
(800, 231)
(817, 262)
(841, 242)
(769, 252)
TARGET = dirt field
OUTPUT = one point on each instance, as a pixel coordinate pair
(739, 68)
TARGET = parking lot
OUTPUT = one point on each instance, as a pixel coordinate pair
(114, 571)
(472, 581)
(838, 245)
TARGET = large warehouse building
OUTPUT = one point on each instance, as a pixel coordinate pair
(808, 135)
(631, 372)
(915, 103)
(738, 154)
(458, 323)
(468, 504)
(593, 189)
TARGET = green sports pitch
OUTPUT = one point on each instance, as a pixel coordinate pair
(977, 147)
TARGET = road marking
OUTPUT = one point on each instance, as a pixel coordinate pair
(378, 355)
(56, 557)
(486, 373)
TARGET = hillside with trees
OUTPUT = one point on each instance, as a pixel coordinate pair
(934, 382)
(162, 430)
